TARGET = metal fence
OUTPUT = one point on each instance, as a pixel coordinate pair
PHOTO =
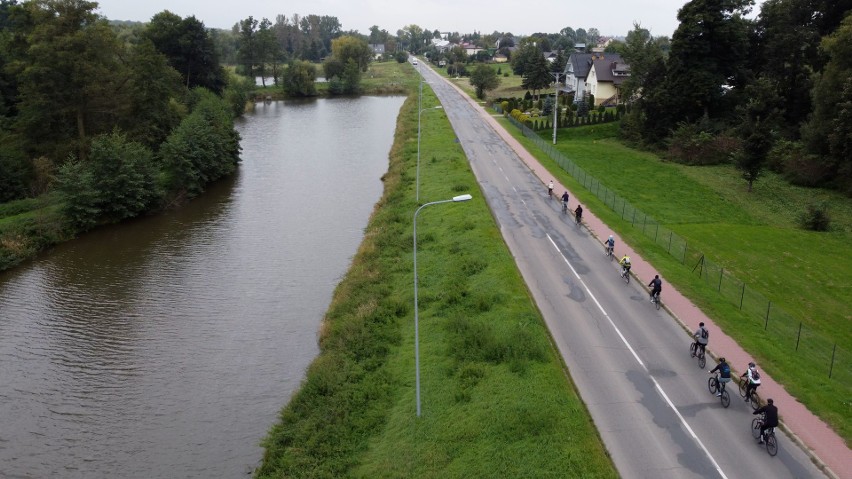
(816, 347)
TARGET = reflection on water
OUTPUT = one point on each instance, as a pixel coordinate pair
(165, 347)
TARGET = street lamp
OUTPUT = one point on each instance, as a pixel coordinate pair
(417, 179)
(455, 199)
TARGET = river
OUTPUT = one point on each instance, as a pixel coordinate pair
(166, 346)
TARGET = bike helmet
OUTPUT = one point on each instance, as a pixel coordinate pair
(701, 324)
(722, 360)
(770, 401)
(752, 365)
(610, 236)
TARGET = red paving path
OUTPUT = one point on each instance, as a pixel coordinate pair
(811, 433)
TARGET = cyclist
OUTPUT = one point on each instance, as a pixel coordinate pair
(625, 265)
(702, 337)
(578, 213)
(550, 189)
(724, 374)
(656, 285)
(610, 244)
(565, 201)
(770, 419)
(753, 377)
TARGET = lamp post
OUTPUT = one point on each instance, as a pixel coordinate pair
(417, 175)
(455, 199)
(555, 103)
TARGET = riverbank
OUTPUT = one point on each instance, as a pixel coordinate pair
(496, 398)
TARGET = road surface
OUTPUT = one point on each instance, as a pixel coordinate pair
(630, 362)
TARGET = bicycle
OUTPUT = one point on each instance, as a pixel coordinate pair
(769, 435)
(609, 252)
(713, 384)
(565, 207)
(702, 359)
(625, 275)
(752, 398)
(656, 299)
(578, 219)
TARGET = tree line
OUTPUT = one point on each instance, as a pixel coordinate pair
(117, 125)
(772, 92)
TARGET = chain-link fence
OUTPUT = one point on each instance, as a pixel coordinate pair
(816, 347)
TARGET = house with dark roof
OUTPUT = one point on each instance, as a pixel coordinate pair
(605, 78)
(578, 69)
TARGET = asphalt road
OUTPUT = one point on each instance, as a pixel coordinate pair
(630, 362)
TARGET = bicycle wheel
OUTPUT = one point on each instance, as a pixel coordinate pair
(657, 301)
(692, 351)
(754, 399)
(743, 384)
(771, 444)
(712, 385)
(726, 398)
(755, 427)
(702, 360)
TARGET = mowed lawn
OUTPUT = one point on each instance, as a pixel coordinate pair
(755, 236)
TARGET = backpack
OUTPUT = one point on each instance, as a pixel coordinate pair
(725, 369)
(704, 333)
(755, 375)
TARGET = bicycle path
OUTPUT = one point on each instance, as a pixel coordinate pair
(806, 429)
(826, 448)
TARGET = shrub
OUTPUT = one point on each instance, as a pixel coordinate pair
(691, 144)
(816, 217)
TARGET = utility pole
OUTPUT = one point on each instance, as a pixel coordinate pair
(555, 103)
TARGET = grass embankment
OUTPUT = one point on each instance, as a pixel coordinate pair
(29, 226)
(496, 401)
(754, 235)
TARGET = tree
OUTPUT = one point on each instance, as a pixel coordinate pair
(299, 79)
(756, 143)
(708, 57)
(247, 50)
(189, 48)
(153, 88)
(536, 74)
(642, 54)
(484, 79)
(118, 181)
(352, 48)
(828, 133)
(69, 78)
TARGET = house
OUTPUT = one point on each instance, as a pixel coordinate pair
(605, 78)
(378, 50)
(500, 58)
(579, 67)
(471, 49)
(601, 45)
(442, 46)
(580, 47)
(551, 56)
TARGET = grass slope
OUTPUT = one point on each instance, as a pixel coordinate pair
(496, 399)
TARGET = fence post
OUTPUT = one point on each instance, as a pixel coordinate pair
(633, 221)
(831, 366)
(670, 241)
(644, 218)
(766, 324)
(742, 295)
(721, 272)
(623, 208)
(799, 337)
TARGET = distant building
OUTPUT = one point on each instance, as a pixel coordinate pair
(598, 74)
(378, 49)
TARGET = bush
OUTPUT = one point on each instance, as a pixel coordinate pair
(797, 165)
(691, 144)
(815, 218)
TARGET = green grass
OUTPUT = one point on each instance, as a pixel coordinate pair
(496, 399)
(754, 237)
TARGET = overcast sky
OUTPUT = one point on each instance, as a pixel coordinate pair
(610, 17)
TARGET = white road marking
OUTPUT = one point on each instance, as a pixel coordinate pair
(636, 356)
